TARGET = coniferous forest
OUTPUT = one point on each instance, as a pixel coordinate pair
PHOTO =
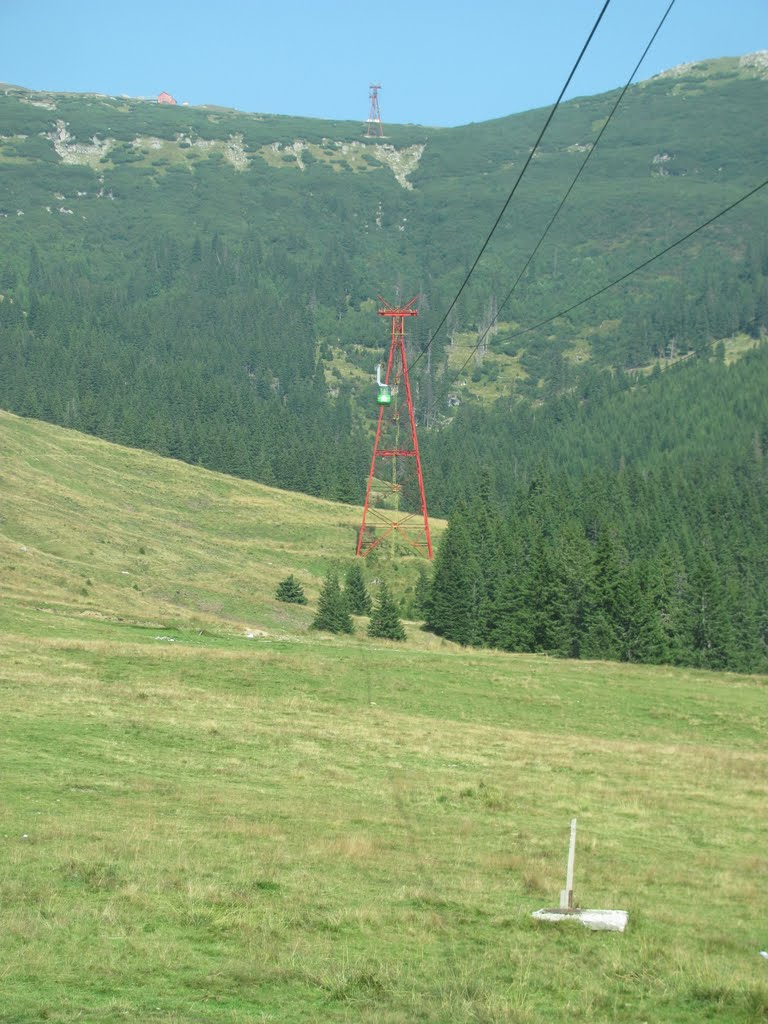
(658, 567)
(203, 284)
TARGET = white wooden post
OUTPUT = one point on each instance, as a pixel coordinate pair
(566, 896)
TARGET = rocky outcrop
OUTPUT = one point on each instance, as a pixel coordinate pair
(72, 152)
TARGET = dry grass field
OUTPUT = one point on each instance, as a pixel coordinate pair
(198, 825)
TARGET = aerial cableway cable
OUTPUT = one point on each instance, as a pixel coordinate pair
(629, 273)
(570, 189)
(508, 200)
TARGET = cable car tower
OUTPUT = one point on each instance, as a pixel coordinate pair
(395, 482)
(374, 114)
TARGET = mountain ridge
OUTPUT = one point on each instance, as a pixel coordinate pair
(753, 64)
(207, 288)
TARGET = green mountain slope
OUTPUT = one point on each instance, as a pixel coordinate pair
(95, 533)
(196, 824)
(632, 523)
(698, 410)
(202, 282)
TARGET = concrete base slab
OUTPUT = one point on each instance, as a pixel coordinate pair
(597, 920)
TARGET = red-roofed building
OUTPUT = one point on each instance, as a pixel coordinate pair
(165, 97)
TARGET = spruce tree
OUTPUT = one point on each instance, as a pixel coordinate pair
(642, 636)
(332, 615)
(513, 612)
(385, 622)
(355, 590)
(608, 603)
(486, 530)
(456, 586)
(667, 584)
(568, 588)
(290, 591)
(710, 633)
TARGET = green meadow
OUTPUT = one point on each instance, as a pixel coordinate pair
(210, 813)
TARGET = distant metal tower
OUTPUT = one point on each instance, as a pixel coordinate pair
(395, 478)
(374, 114)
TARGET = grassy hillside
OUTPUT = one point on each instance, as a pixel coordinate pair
(97, 531)
(198, 825)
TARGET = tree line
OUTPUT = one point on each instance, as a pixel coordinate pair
(659, 567)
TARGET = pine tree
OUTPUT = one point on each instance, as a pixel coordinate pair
(290, 591)
(332, 615)
(385, 622)
(355, 591)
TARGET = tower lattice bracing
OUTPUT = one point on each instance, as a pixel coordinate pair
(395, 511)
(374, 115)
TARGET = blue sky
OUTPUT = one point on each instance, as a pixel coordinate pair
(444, 63)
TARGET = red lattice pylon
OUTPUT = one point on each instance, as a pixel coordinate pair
(374, 114)
(395, 482)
